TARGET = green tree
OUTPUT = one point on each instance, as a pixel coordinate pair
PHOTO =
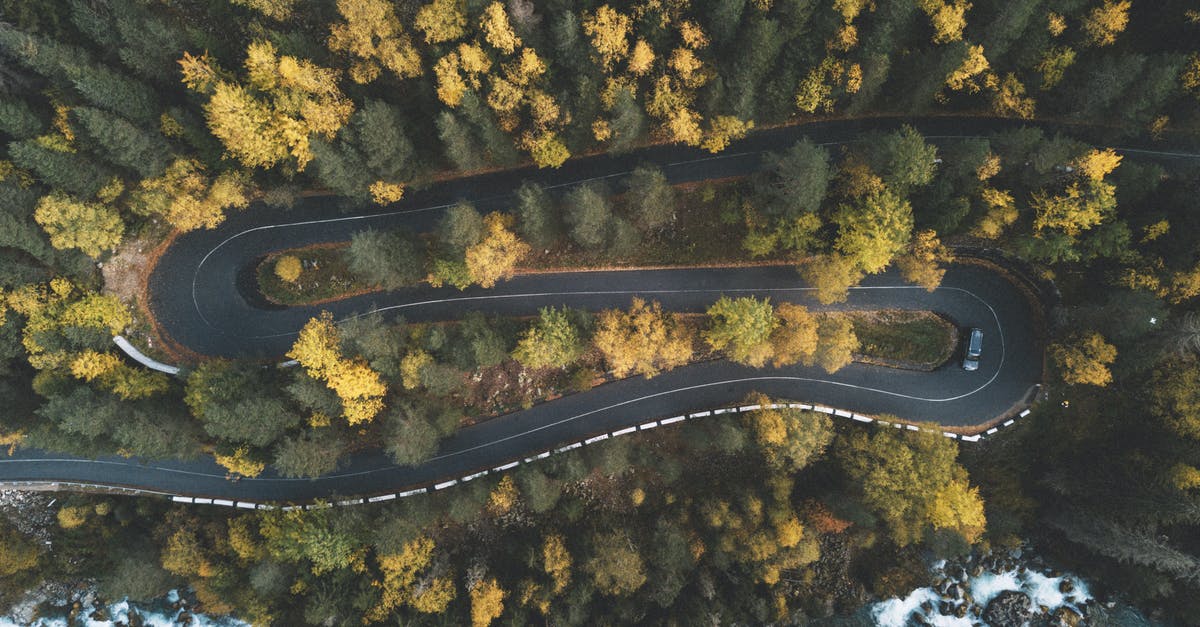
(125, 144)
(873, 232)
(553, 340)
(18, 120)
(795, 182)
(59, 167)
(460, 228)
(589, 216)
(310, 454)
(313, 536)
(742, 327)
(410, 439)
(390, 259)
(236, 403)
(903, 159)
(650, 197)
(463, 148)
(538, 220)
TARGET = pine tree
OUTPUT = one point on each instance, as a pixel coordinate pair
(538, 220)
(391, 260)
(651, 197)
(125, 144)
(18, 121)
(795, 181)
(589, 215)
(59, 168)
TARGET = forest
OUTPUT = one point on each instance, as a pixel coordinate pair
(125, 123)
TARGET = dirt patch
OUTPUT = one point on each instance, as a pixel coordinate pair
(125, 272)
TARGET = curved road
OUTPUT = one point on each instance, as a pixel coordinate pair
(201, 297)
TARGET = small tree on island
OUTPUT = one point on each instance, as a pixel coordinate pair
(288, 268)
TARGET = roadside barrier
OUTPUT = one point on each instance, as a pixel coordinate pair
(596, 439)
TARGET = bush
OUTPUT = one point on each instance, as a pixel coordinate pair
(287, 268)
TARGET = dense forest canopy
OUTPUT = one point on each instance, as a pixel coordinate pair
(124, 122)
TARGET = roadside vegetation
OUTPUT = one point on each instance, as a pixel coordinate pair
(120, 118)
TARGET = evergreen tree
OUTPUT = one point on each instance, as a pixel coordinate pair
(538, 220)
(126, 145)
(68, 171)
(308, 455)
(19, 121)
(650, 197)
(589, 215)
(460, 228)
(391, 260)
(795, 181)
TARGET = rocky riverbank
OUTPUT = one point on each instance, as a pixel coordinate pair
(1011, 589)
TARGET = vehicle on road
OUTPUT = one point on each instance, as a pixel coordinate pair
(974, 348)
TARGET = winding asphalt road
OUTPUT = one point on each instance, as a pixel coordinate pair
(202, 295)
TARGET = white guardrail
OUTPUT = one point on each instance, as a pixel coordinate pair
(646, 426)
(141, 357)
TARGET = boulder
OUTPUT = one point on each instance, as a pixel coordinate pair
(1066, 617)
(1066, 586)
(1010, 608)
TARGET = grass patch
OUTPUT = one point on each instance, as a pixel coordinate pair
(324, 276)
(921, 339)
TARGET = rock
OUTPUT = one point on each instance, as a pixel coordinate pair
(961, 611)
(946, 608)
(1066, 586)
(956, 592)
(977, 570)
(927, 607)
(1066, 617)
(1010, 608)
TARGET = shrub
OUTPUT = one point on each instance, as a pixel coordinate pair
(287, 268)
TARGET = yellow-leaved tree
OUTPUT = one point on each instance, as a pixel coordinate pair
(609, 31)
(645, 340)
(498, 253)
(88, 226)
(487, 602)
(189, 198)
(1105, 22)
(399, 584)
(1084, 360)
(371, 32)
(240, 462)
(360, 388)
(270, 119)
